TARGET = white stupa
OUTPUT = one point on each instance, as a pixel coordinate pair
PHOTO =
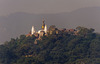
(45, 29)
(32, 30)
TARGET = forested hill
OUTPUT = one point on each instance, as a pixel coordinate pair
(62, 48)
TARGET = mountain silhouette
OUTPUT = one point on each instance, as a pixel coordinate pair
(15, 24)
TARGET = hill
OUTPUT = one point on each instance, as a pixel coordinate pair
(62, 48)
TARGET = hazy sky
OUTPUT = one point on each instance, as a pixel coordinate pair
(44, 6)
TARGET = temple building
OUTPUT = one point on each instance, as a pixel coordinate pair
(52, 30)
(40, 33)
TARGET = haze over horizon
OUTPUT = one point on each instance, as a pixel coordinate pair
(44, 6)
(17, 16)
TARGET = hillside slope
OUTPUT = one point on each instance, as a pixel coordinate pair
(62, 48)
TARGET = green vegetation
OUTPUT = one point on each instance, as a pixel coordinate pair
(62, 48)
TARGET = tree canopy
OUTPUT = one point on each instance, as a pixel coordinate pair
(62, 48)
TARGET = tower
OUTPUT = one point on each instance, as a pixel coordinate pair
(45, 29)
(43, 24)
(32, 30)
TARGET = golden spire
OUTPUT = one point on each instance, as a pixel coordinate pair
(43, 24)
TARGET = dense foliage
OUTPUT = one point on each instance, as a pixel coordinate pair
(62, 48)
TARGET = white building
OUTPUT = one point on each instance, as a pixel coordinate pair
(41, 32)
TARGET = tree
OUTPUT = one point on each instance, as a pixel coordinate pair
(82, 31)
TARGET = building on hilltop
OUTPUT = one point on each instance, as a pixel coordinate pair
(52, 30)
(40, 33)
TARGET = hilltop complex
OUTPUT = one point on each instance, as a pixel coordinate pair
(41, 32)
(52, 30)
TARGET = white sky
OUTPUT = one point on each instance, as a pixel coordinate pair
(44, 6)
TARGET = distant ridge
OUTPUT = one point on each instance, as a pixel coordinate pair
(20, 23)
